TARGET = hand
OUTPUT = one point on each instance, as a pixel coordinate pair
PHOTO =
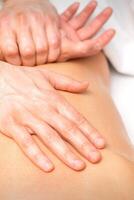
(30, 32)
(29, 103)
(78, 37)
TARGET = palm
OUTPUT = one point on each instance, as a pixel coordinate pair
(77, 37)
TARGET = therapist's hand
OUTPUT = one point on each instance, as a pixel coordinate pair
(29, 32)
(30, 103)
(79, 38)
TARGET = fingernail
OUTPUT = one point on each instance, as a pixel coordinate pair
(49, 167)
(100, 142)
(46, 166)
(78, 164)
(94, 156)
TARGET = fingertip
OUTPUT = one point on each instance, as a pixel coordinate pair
(111, 32)
(100, 143)
(82, 86)
(76, 3)
(93, 3)
(109, 10)
(49, 168)
(86, 83)
(46, 166)
(95, 157)
(78, 165)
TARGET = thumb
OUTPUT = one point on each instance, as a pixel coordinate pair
(65, 83)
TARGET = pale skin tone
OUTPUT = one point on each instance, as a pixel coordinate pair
(113, 178)
(23, 178)
(33, 33)
(41, 84)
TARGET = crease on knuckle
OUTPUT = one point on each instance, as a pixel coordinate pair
(34, 153)
(93, 133)
(27, 52)
(42, 50)
(98, 46)
(55, 43)
(71, 129)
(67, 154)
(85, 13)
(81, 121)
(11, 51)
(38, 16)
(84, 146)
(26, 142)
(98, 22)
(84, 50)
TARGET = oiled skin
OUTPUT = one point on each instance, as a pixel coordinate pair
(112, 178)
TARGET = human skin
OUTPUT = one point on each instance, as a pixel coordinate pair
(30, 104)
(27, 14)
(9, 73)
(112, 178)
(32, 32)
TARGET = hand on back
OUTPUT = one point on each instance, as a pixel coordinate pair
(31, 104)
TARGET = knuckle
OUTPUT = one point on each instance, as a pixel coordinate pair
(4, 19)
(70, 128)
(84, 146)
(93, 132)
(38, 16)
(97, 46)
(26, 142)
(27, 52)
(68, 13)
(85, 13)
(80, 120)
(42, 50)
(84, 50)
(11, 51)
(98, 22)
(33, 152)
(55, 43)
(67, 154)
(21, 18)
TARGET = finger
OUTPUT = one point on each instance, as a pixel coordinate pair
(9, 47)
(100, 42)
(70, 131)
(54, 41)
(89, 31)
(1, 56)
(26, 47)
(82, 123)
(30, 148)
(65, 83)
(70, 11)
(40, 41)
(92, 47)
(81, 19)
(56, 144)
